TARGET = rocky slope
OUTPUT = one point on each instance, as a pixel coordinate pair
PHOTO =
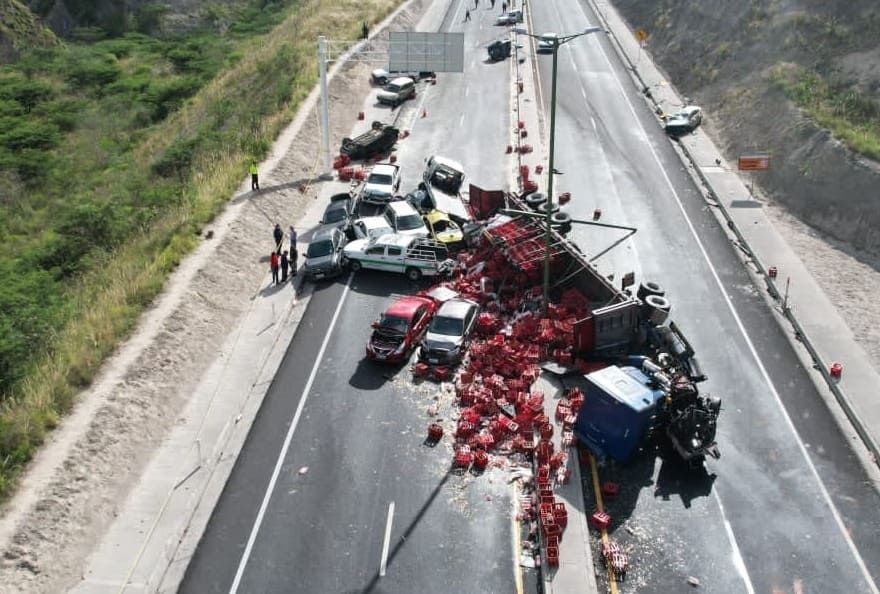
(726, 55)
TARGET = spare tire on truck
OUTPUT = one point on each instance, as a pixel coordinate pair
(649, 288)
(535, 200)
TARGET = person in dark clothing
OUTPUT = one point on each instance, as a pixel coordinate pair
(293, 253)
(274, 263)
(467, 14)
(278, 234)
(365, 30)
(476, 4)
(503, 7)
(285, 263)
(492, 2)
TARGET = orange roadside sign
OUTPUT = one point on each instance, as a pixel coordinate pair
(754, 162)
(641, 35)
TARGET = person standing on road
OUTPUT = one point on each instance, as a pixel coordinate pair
(255, 176)
(284, 265)
(503, 7)
(293, 253)
(467, 15)
(476, 4)
(493, 3)
(278, 235)
(274, 263)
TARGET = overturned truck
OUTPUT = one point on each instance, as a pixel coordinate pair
(637, 371)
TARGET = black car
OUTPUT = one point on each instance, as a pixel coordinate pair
(339, 212)
(379, 140)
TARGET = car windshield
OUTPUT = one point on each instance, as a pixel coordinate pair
(408, 222)
(318, 249)
(334, 216)
(392, 88)
(379, 178)
(393, 323)
(447, 326)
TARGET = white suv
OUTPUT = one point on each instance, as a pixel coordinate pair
(381, 184)
(405, 220)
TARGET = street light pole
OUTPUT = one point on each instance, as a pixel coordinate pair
(557, 42)
(549, 218)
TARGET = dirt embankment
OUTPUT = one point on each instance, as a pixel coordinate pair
(721, 55)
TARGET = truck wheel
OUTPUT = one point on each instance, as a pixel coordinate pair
(413, 274)
(535, 200)
(649, 288)
(560, 219)
(377, 125)
(544, 207)
(656, 309)
(354, 265)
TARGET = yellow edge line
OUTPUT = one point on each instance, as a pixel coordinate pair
(595, 472)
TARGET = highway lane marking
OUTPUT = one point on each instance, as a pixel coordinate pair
(287, 439)
(754, 352)
(594, 471)
(383, 563)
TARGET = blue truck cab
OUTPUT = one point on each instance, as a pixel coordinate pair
(619, 406)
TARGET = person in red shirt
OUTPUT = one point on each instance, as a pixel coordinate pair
(274, 263)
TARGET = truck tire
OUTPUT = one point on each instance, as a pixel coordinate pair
(413, 274)
(656, 309)
(544, 207)
(560, 219)
(649, 288)
(354, 265)
(535, 200)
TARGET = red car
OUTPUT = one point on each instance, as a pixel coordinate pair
(398, 331)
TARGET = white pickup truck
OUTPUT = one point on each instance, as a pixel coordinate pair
(414, 256)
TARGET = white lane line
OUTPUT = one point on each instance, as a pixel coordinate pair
(738, 561)
(383, 563)
(754, 352)
(283, 453)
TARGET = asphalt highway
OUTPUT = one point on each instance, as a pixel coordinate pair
(787, 508)
(359, 503)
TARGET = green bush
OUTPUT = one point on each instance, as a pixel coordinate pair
(29, 134)
(177, 159)
(168, 95)
(30, 308)
(92, 72)
(27, 93)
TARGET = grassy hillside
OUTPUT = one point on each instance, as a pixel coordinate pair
(113, 155)
(19, 30)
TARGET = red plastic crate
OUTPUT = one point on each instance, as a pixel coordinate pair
(600, 520)
(435, 432)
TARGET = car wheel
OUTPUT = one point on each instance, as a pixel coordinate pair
(413, 274)
(354, 265)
